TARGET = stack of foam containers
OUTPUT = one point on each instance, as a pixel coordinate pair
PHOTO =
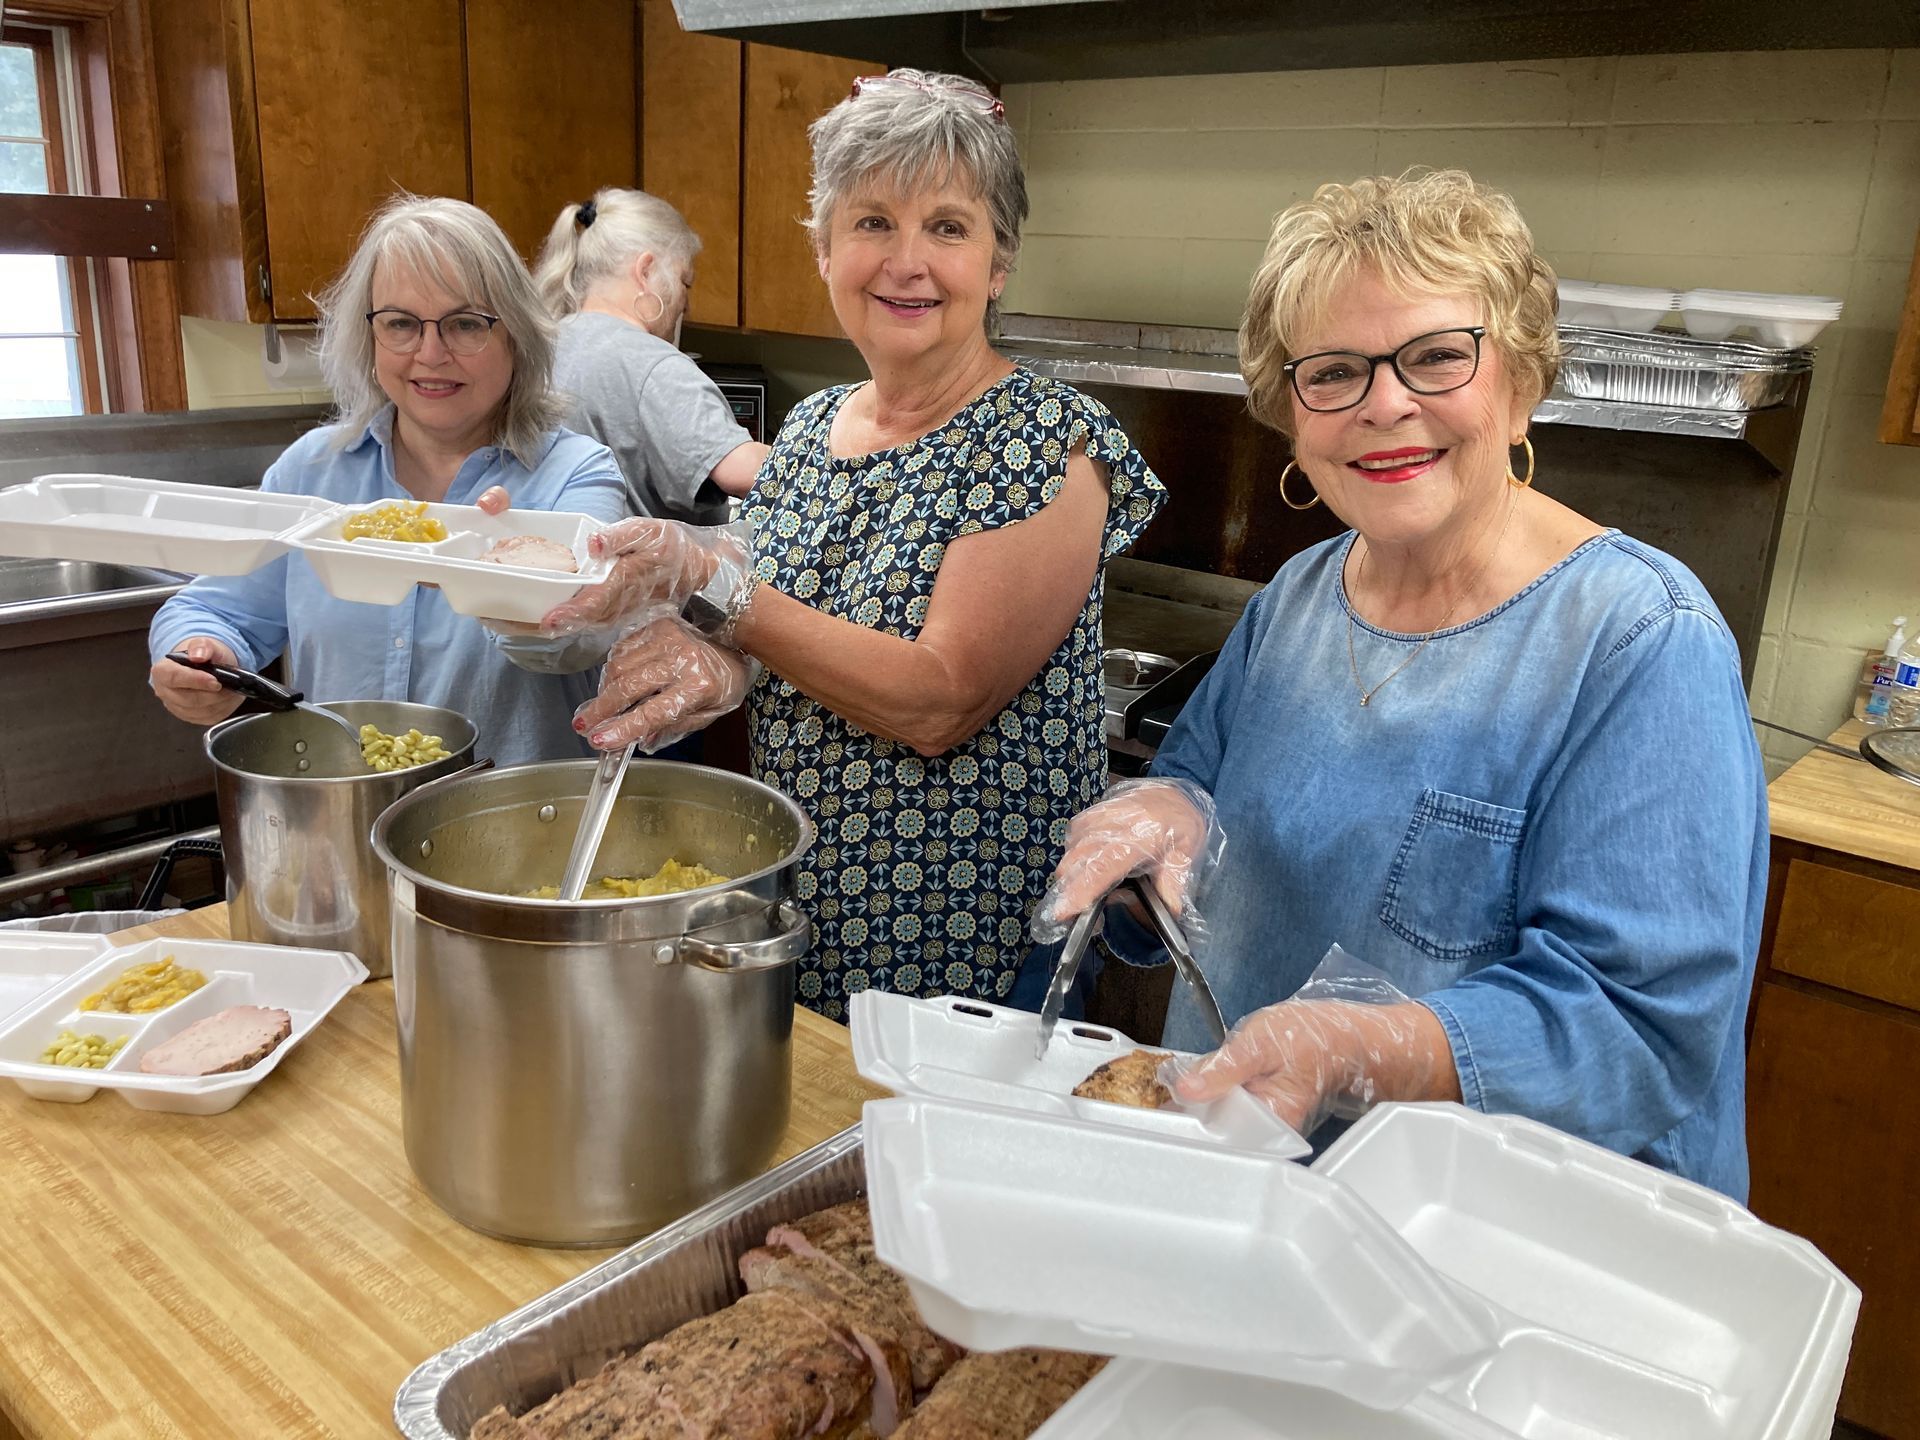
(1783, 322)
(1437, 1274)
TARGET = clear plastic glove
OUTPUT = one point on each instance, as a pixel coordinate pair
(1346, 1041)
(193, 695)
(662, 683)
(658, 564)
(1163, 829)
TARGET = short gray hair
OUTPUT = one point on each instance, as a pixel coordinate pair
(623, 225)
(461, 248)
(920, 131)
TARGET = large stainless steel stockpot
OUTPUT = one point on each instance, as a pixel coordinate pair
(580, 1073)
(297, 806)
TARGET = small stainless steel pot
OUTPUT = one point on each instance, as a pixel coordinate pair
(581, 1072)
(297, 806)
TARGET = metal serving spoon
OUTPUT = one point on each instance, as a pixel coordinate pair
(594, 815)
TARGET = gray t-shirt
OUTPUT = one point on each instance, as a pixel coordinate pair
(667, 424)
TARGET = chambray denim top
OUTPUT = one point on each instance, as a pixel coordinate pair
(1551, 828)
(419, 649)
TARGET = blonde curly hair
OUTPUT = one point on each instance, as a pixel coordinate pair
(1424, 232)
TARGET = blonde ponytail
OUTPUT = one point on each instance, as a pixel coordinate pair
(597, 240)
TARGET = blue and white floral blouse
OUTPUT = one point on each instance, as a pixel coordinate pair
(925, 870)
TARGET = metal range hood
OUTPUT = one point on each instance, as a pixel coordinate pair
(1028, 41)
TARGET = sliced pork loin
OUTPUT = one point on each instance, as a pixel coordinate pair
(764, 1368)
(531, 552)
(838, 1299)
(842, 1237)
(1006, 1395)
(236, 1038)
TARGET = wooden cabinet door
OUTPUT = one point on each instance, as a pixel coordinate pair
(356, 99)
(551, 93)
(1900, 416)
(786, 91)
(690, 148)
(1836, 1158)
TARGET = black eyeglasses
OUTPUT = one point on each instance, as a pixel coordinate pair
(1430, 364)
(464, 332)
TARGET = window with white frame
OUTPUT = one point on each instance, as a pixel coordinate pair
(49, 356)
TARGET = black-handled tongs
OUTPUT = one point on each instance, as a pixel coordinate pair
(1139, 898)
(258, 687)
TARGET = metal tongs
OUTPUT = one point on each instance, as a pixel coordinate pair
(1138, 897)
(257, 687)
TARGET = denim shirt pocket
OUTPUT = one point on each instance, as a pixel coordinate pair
(1450, 893)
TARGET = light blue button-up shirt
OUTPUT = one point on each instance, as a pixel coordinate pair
(1551, 827)
(419, 649)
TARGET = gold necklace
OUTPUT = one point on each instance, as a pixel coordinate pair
(1366, 695)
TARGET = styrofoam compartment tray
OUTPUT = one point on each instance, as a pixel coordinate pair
(381, 572)
(32, 962)
(123, 520)
(305, 983)
(1492, 1276)
(215, 530)
(958, 1048)
(1783, 321)
(1614, 307)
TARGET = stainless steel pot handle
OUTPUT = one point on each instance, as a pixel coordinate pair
(786, 945)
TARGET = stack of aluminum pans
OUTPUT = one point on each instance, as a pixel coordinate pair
(1677, 370)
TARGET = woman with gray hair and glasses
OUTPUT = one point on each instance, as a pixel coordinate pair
(616, 271)
(917, 569)
(440, 357)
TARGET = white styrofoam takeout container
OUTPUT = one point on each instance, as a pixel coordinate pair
(1787, 322)
(1613, 307)
(214, 530)
(1476, 1276)
(958, 1048)
(32, 962)
(305, 983)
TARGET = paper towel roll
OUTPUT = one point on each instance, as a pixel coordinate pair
(288, 358)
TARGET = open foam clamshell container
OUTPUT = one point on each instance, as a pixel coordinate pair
(1437, 1272)
(957, 1048)
(307, 984)
(215, 530)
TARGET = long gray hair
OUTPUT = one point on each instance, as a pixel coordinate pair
(460, 248)
(918, 129)
(621, 226)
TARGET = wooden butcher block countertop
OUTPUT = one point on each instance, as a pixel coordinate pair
(273, 1271)
(1841, 804)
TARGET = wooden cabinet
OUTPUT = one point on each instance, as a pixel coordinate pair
(1900, 417)
(1831, 1132)
(551, 102)
(1832, 1052)
(786, 91)
(287, 122)
(690, 148)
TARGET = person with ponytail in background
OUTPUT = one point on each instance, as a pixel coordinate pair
(616, 272)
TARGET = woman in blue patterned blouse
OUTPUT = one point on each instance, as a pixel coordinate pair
(917, 569)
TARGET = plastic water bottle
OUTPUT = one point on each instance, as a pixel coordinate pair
(1876, 686)
(1904, 707)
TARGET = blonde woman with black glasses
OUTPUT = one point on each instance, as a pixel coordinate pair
(1495, 752)
(440, 357)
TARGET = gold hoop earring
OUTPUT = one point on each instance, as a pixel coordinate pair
(1293, 465)
(1513, 479)
(662, 310)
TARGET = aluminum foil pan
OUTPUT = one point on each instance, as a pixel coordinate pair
(1677, 371)
(677, 1274)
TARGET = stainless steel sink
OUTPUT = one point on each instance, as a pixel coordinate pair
(33, 588)
(85, 737)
